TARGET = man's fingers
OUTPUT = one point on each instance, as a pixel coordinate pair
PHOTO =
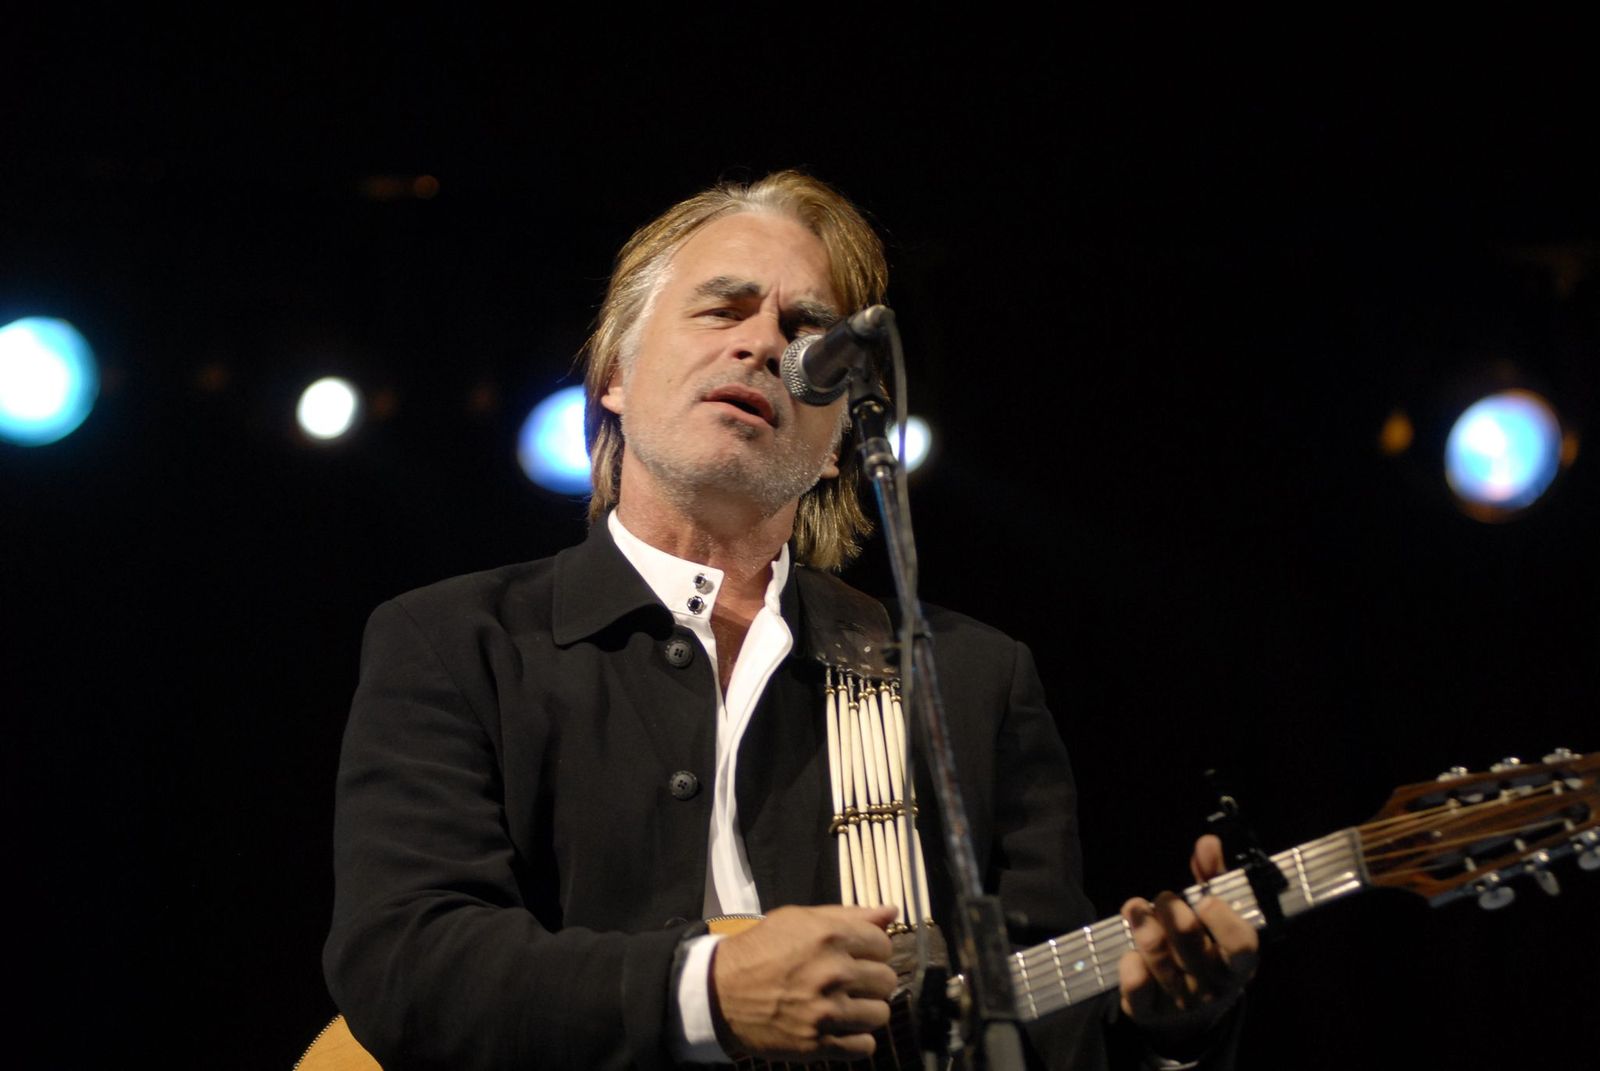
(1188, 964)
(806, 982)
(1207, 861)
(1236, 940)
(866, 978)
(859, 931)
(844, 1046)
(1190, 942)
(1140, 991)
(864, 941)
(853, 1016)
(1150, 944)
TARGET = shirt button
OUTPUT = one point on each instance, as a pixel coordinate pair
(702, 583)
(679, 651)
(683, 785)
(696, 604)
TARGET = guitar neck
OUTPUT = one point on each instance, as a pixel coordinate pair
(1082, 964)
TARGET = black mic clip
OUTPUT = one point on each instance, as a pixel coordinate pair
(1266, 880)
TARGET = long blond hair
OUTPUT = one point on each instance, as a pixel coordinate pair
(829, 524)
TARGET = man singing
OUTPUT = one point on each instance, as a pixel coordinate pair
(554, 770)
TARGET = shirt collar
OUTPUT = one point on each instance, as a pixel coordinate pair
(687, 588)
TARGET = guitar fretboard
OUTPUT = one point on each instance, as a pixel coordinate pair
(1082, 964)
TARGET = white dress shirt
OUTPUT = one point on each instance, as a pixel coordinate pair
(690, 591)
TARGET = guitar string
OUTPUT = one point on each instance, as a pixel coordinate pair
(1528, 817)
(1315, 871)
(1537, 810)
(1311, 868)
(1434, 848)
(1530, 812)
(1034, 966)
(1533, 795)
(1320, 869)
(1110, 938)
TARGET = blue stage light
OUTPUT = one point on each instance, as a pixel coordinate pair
(1502, 453)
(48, 380)
(550, 446)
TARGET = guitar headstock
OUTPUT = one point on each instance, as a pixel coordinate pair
(1469, 834)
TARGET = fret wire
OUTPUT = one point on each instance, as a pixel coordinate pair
(1061, 975)
(1322, 868)
(1027, 989)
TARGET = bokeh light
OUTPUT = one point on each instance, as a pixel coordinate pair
(919, 442)
(1502, 453)
(48, 380)
(328, 409)
(550, 446)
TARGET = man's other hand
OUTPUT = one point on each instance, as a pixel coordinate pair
(805, 982)
(1188, 966)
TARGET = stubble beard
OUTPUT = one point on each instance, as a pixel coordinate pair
(687, 472)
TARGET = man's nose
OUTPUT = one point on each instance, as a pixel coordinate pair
(761, 342)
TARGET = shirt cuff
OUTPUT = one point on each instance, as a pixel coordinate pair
(694, 1033)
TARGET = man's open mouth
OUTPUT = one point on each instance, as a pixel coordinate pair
(747, 399)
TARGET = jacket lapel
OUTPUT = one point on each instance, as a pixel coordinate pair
(600, 598)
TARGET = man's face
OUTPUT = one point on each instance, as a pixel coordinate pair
(703, 408)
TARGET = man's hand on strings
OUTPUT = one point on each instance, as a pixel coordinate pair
(804, 983)
(1189, 965)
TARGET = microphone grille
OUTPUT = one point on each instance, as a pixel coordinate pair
(792, 368)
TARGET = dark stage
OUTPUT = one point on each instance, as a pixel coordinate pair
(1158, 304)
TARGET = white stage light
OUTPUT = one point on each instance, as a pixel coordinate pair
(328, 409)
(919, 442)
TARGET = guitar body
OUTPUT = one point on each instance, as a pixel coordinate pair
(336, 1049)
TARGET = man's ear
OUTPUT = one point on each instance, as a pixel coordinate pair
(612, 399)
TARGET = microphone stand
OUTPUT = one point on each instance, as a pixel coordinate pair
(988, 1014)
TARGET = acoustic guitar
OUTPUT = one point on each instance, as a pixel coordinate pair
(1462, 835)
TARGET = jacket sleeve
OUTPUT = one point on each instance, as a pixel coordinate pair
(434, 956)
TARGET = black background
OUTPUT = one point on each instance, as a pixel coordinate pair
(1160, 287)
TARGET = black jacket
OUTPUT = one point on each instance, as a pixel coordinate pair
(514, 870)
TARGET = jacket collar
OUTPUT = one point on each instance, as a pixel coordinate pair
(595, 586)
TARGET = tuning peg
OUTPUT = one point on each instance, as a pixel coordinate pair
(1506, 764)
(1493, 894)
(1561, 754)
(1454, 773)
(1587, 845)
(1539, 867)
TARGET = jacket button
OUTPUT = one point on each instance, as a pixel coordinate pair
(679, 650)
(674, 922)
(683, 785)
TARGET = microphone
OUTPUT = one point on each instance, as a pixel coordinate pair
(816, 368)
